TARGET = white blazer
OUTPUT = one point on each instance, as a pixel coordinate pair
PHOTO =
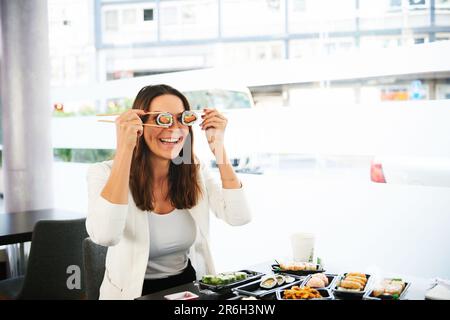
(124, 229)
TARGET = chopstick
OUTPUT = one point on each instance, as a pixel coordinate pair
(149, 112)
(144, 124)
(118, 114)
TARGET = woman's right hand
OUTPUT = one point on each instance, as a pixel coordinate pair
(129, 128)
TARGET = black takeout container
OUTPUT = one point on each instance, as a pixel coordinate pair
(325, 293)
(344, 294)
(331, 279)
(369, 295)
(251, 276)
(276, 268)
(254, 289)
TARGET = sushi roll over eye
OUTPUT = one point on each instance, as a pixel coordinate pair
(188, 118)
(164, 119)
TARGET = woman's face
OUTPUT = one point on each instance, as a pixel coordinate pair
(166, 143)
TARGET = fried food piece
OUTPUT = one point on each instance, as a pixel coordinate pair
(356, 274)
(359, 280)
(301, 293)
(347, 284)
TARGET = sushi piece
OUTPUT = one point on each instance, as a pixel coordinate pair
(215, 281)
(321, 276)
(315, 282)
(347, 284)
(188, 118)
(164, 119)
(280, 279)
(240, 275)
(378, 291)
(268, 282)
(208, 279)
(227, 279)
(289, 279)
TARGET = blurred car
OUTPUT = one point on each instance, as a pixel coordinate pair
(423, 171)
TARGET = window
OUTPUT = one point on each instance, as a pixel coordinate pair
(169, 15)
(111, 20)
(299, 5)
(419, 40)
(396, 3)
(273, 4)
(222, 99)
(442, 4)
(129, 16)
(416, 2)
(188, 15)
(148, 14)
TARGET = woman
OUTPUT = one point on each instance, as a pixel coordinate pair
(153, 211)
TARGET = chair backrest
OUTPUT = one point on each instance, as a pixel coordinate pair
(55, 265)
(94, 257)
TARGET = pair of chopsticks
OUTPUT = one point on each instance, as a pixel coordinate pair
(144, 124)
(118, 114)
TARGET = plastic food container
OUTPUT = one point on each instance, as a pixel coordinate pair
(325, 293)
(255, 290)
(369, 294)
(277, 269)
(350, 294)
(251, 275)
(331, 279)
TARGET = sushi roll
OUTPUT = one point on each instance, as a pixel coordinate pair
(240, 275)
(268, 282)
(280, 279)
(227, 279)
(208, 279)
(215, 281)
(164, 119)
(188, 118)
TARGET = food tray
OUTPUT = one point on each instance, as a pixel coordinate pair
(255, 290)
(369, 296)
(331, 279)
(276, 268)
(345, 294)
(325, 293)
(251, 276)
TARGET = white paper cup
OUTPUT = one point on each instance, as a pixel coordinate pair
(303, 247)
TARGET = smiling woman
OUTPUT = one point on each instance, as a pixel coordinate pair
(158, 147)
(151, 204)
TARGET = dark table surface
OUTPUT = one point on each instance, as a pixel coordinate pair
(17, 227)
(415, 292)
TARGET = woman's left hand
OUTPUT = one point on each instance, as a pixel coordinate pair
(214, 124)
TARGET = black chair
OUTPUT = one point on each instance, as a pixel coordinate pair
(55, 265)
(94, 257)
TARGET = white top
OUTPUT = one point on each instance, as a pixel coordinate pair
(171, 237)
(124, 229)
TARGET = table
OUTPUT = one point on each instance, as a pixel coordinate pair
(17, 228)
(416, 291)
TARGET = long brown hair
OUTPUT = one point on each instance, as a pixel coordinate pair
(184, 187)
